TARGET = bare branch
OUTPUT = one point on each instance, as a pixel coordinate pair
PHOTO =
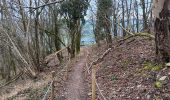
(100, 59)
(47, 4)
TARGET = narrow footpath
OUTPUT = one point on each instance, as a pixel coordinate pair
(75, 88)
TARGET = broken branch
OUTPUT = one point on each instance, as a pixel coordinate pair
(100, 59)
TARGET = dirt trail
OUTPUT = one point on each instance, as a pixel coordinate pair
(75, 87)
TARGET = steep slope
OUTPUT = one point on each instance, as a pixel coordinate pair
(129, 72)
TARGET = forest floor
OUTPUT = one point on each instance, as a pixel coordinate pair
(128, 72)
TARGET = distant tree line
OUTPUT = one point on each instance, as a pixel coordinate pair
(114, 17)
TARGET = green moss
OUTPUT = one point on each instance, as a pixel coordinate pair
(147, 67)
(139, 72)
(156, 68)
(10, 98)
(151, 66)
(158, 84)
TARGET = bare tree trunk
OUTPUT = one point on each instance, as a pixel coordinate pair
(37, 51)
(97, 32)
(115, 25)
(107, 28)
(128, 13)
(145, 24)
(137, 15)
(162, 29)
(123, 18)
(57, 35)
(22, 16)
(73, 51)
(78, 36)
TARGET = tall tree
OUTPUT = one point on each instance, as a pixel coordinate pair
(104, 11)
(56, 28)
(123, 17)
(115, 17)
(137, 15)
(145, 22)
(128, 14)
(162, 36)
(74, 12)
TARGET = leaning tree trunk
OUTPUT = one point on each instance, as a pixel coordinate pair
(162, 28)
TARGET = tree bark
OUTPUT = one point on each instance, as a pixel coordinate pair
(78, 36)
(103, 22)
(145, 24)
(137, 16)
(123, 18)
(162, 30)
(57, 35)
(37, 50)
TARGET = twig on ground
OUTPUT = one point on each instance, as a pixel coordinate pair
(52, 56)
(100, 59)
(15, 78)
(100, 91)
(44, 98)
(86, 62)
